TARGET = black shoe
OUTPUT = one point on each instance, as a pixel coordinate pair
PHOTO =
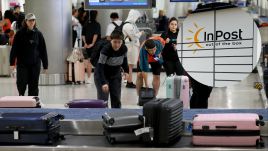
(130, 85)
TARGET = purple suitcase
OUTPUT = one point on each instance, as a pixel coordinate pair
(87, 103)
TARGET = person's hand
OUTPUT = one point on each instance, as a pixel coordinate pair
(45, 71)
(105, 88)
(167, 40)
(90, 46)
(86, 45)
(174, 46)
(142, 32)
(126, 75)
(12, 68)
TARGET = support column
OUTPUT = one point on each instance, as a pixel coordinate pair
(54, 21)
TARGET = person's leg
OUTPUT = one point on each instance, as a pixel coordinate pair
(74, 37)
(22, 79)
(115, 92)
(139, 79)
(34, 73)
(130, 83)
(88, 66)
(168, 68)
(156, 69)
(100, 94)
(178, 68)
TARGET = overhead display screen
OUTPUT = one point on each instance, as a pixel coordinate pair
(117, 4)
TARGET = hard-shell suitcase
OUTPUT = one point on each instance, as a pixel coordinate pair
(19, 102)
(178, 87)
(122, 121)
(87, 103)
(230, 129)
(76, 72)
(119, 126)
(121, 137)
(164, 116)
(146, 95)
(30, 128)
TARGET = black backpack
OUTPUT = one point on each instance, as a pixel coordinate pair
(94, 58)
(120, 28)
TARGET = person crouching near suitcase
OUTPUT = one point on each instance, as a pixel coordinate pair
(108, 76)
(29, 48)
(150, 54)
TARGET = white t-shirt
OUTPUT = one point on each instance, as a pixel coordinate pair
(111, 27)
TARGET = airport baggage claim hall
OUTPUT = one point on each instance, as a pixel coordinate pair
(133, 75)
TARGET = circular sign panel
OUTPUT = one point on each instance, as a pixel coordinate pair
(219, 47)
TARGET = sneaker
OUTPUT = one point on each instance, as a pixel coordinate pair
(130, 85)
(87, 81)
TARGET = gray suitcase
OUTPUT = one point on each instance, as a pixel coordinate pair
(122, 121)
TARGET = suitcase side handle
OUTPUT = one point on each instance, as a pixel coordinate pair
(226, 127)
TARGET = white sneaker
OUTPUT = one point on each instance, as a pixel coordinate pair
(88, 81)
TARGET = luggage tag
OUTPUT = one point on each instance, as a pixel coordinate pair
(16, 135)
(145, 130)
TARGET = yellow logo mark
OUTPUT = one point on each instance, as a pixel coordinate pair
(195, 37)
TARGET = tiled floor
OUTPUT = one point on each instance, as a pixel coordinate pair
(242, 95)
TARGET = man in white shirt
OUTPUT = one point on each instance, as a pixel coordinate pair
(114, 21)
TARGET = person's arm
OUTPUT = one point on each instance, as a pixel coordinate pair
(96, 34)
(100, 66)
(43, 51)
(130, 32)
(125, 64)
(14, 49)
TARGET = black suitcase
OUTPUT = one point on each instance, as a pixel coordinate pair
(119, 126)
(30, 128)
(164, 116)
(146, 95)
(121, 137)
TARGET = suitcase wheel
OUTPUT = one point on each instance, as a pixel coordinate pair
(111, 140)
(260, 117)
(260, 123)
(259, 143)
(111, 121)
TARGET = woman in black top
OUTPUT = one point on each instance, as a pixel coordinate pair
(171, 60)
(29, 48)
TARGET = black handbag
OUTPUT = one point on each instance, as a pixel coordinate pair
(146, 95)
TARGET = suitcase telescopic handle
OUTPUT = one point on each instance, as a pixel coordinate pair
(227, 127)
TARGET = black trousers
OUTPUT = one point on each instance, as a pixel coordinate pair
(201, 93)
(114, 90)
(172, 67)
(28, 75)
(74, 37)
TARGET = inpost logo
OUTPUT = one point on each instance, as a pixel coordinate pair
(210, 37)
(196, 31)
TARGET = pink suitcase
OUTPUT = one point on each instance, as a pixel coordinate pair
(231, 129)
(19, 102)
(76, 72)
(177, 87)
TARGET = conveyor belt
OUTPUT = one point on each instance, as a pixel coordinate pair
(95, 114)
(86, 124)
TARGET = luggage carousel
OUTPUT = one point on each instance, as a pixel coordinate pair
(83, 131)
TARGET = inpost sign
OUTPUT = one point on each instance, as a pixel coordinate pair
(219, 47)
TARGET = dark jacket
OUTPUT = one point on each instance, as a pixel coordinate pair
(110, 63)
(169, 53)
(29, 48)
